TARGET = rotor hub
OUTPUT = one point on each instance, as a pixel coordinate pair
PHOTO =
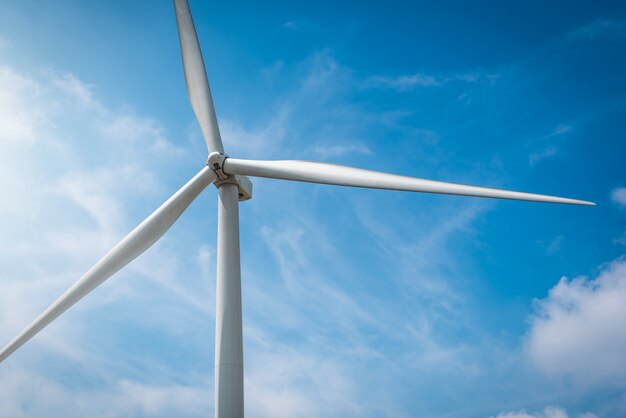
(216, 163)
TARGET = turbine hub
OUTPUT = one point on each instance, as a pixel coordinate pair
(216, 163)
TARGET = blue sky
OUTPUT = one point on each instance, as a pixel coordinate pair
(356, 302)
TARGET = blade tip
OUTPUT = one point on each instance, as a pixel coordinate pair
(582, 203)
(586, 203)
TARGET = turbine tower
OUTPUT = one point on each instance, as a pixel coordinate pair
(230, 175)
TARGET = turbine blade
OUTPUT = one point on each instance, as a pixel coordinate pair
(195, 77)
(134, 244)
(324, 173)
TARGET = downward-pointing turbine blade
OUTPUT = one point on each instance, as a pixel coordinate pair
(195, 77)
(135, 243)
(324, 173)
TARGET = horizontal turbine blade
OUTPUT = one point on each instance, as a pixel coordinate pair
(135, 243)
(324, 173)
(195, 77)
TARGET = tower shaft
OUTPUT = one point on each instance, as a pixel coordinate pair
(228, 327)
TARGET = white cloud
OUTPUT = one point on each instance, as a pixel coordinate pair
(578, 330)
(549, 412)
(618, 196)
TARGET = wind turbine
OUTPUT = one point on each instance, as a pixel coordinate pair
(230, 176)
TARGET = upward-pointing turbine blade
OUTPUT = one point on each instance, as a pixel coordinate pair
(324, 173)
(195, 77)
(135, 243)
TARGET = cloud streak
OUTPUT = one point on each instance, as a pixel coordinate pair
(404, 83)
(601, 28)
(548, 412)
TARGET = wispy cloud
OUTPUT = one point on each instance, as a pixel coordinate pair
(404, 83)
(560, 129)
(621, 239)
(74, 88)
(124, 398)
(551, 149)
(601, 28)
(24, 118)
(290, 24)
(335, 150)
(548, 412)
(98, 191)
(552, 246)
(300, 383)
(314, 111)
(258, 141)
(541, 155)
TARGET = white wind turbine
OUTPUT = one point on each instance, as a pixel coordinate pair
(229, 175)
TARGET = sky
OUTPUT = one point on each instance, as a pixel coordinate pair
(356, 302)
